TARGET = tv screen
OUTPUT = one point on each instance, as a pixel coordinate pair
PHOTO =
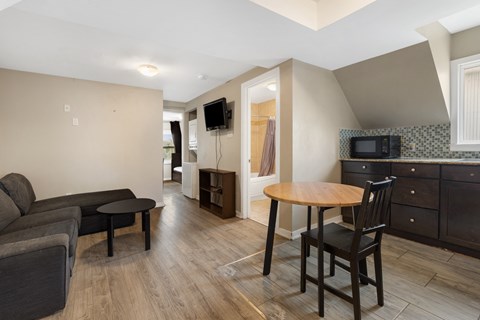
(216, 114)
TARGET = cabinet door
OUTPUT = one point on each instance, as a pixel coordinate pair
(460, 213)
(358, 180)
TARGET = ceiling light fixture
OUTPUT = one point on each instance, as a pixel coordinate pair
(202, 77)
(272, 86)
(148, 70)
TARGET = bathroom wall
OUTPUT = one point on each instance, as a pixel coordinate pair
(431, 141)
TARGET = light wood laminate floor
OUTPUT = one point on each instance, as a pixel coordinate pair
(260, 210)
(203, 267)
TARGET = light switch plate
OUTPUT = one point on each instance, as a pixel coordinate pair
(66, 108)
(75, 121)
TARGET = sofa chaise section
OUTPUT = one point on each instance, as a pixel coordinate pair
(21, 191)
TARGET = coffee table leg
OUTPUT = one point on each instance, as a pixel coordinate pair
(110, 234)
(270, 235)
(146, 225)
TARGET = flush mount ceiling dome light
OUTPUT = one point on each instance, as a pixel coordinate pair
(148, 70)
(272, 86)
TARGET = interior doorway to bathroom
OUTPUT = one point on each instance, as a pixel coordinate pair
(260, 143)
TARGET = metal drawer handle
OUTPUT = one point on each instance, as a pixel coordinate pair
(364, 167)
(412, 220)
(386, 178)
(472, 174)
(412, 191)
(413, 169)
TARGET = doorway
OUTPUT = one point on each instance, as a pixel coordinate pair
(171, 160)
(260, 143)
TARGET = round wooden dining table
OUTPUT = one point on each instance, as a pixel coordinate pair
(324, 196)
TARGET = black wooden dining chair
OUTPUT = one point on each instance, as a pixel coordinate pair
(353, 245)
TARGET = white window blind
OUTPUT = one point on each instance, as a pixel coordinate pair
(465, 106)
(471, 106)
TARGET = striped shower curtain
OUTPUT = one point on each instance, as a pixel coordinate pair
(267, 165)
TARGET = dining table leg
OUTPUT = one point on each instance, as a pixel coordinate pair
(309, 226)
(272, 219)
(321, 293)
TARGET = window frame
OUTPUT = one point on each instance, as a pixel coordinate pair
(456, 107)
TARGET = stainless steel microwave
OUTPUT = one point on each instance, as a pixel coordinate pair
(375, 147)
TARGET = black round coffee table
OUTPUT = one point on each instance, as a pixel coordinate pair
(126, 207)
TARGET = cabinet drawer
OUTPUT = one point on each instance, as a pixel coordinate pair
(416, 170)
(461, 173)
(367, 167)
(415, 220)
(416, 192)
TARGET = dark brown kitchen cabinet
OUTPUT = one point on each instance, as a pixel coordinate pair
(460, 206)
(415, 199)
(433, 203)
(356, 173)
(420, 221)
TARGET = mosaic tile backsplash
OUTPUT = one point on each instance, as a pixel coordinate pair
(432, 141)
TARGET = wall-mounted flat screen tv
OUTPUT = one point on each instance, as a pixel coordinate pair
(216, 114)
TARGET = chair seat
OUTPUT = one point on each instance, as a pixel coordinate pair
(337, 238)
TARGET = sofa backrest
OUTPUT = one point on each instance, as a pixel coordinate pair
(20, 190)
(8, 210)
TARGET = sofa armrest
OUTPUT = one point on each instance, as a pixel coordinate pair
(35, 277)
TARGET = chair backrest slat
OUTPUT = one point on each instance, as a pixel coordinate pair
(373, 210)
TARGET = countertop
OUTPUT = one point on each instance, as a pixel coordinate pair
(474, 161)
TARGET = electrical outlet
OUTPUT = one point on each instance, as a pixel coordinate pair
(412, 146)
(75, 122)
(66, 108)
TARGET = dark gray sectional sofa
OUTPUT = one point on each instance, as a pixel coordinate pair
(38, 241)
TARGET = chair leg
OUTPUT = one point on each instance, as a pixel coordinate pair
(355, 289)
(363, 270)
(377, 257)
(332, 264)
(303, 266)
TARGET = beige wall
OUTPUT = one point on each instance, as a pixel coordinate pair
(439, 40)
(118, 143)
(231, 138)
(465, 43)
(397, 89)
(312, 110)
(286, 129)
(320, 109)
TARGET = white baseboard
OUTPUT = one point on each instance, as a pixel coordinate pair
(238, 214)
(160, 204)
(296, 234)
(284, 233)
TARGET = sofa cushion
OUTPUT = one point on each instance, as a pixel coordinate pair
(8, 210)
(20, 190)
(4, 189)
(68, 227)
(43, 218)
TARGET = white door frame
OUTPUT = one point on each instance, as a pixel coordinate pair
(273, 74)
